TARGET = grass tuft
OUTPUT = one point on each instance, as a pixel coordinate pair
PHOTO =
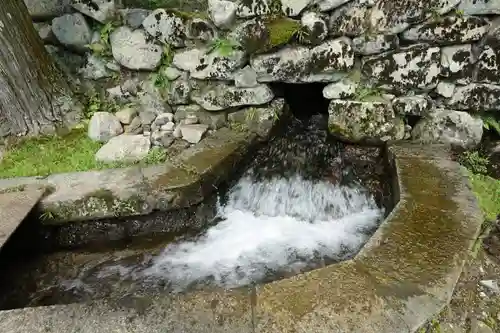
(58, 154)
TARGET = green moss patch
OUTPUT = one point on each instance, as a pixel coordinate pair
(487, 190)
(58, 154)
(281, 30)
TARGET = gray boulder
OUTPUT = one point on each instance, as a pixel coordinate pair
(216, 97)
(103, 126)
(184, 111)
(302, 64)
(476, 97)
(314, 27)
(171, 73)
(259, 120)
(200, 29)
(202, 64)
(343, 89)
(392, 17)
(135, 126)
(245, 78)
(374, 44)
(419, 105)
(72, 31)
(99, 10)
(294, 7)
(488, 63)
(327, 5)
(95, 68)
(124, 148)
(179, 90)
(457, 63)
(350, 19)
(166, 27)
(134, 17)
(448, 30)
(222, 12)
(132, 49)
(445, 89)
(357, 121)
(47, 9)
(193, 133)
(414, 67)
(479, 7)
(45, 32)
(448, 126)
(126, 115)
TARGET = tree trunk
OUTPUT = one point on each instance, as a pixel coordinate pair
(34, 95)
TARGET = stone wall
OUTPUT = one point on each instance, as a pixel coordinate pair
(424, 70)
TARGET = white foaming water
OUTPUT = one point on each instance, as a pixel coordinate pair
(268, 226)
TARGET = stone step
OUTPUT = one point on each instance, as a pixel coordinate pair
(14, 207)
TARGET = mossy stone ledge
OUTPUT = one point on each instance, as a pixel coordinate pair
(184, 180)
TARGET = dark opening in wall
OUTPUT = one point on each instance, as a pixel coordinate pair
(304, 100)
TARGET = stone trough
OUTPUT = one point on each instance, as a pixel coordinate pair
(404, 275)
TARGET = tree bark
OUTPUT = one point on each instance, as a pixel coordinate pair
(35, 98)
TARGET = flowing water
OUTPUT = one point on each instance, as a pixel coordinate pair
(297, 207)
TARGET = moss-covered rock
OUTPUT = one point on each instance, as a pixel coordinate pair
(262, 35)
(97, 204)
(259, 120)
(358, 121)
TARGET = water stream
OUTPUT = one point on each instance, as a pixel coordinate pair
(298, 206)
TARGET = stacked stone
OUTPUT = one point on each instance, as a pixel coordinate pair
(417, 69)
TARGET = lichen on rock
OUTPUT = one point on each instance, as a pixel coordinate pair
(392, 17)
(413, 67)
(203, 63)
(419, 105)
(476, 97)
(322, 63)
(221, 96)
(357, 121)
(448, 30)
(167, 27)
(449, 126)
(457, 63)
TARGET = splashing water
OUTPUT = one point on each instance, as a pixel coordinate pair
(268, 226)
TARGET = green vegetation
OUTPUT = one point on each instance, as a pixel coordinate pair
(487, 190)
(93, 102)
(159, 78)
(223, 46)
(103, 46)
(474, 161)
(57, 154)
(281, 30)
(368, 94)
(491, 123)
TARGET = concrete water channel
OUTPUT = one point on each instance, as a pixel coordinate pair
(403, 276)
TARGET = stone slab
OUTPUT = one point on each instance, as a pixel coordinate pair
(14, 207)
(403, 276)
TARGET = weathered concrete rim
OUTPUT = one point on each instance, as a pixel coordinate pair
(183, 181)
(403, 276)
